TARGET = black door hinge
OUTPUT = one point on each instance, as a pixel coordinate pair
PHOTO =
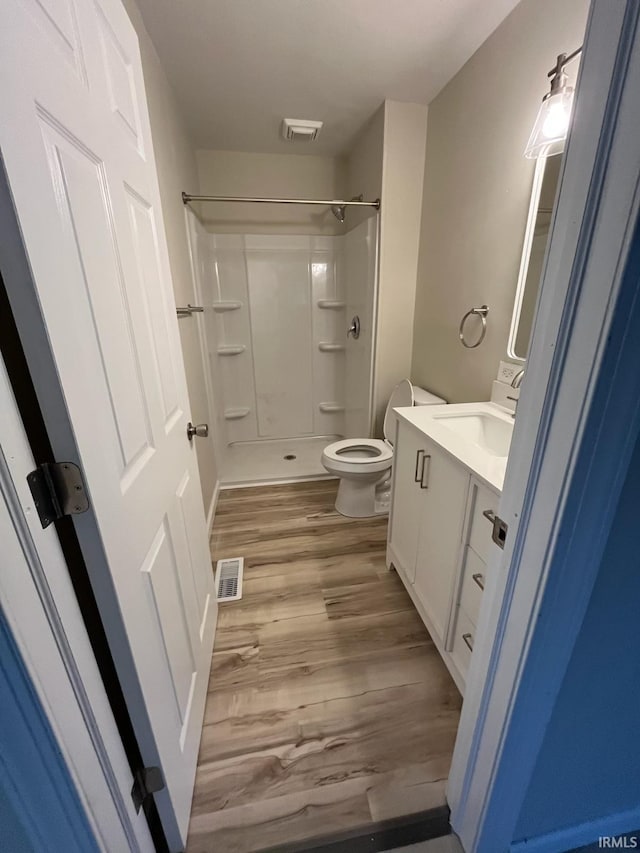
(58, 490)
(146, 782)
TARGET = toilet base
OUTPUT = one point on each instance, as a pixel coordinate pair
(357, 499)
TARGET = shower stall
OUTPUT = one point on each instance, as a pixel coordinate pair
(288, 335)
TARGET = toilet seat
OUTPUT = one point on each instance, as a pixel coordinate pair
(363, 465)
(359, 454)
(369, 455)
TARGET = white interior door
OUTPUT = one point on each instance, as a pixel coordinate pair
(75, 139)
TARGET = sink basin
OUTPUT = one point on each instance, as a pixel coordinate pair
(491, 433)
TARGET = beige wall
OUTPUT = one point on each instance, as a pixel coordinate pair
(175, 162)
(405, 133)
(241, 173)
(364, 167)
(476, 193)
(387, 162)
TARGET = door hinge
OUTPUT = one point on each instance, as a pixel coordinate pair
(146, 782)
(58, 490)
(499, 532)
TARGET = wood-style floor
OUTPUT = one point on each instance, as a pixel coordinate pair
(329, 707)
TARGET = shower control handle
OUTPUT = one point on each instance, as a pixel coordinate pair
(354, 329)
(200, 430)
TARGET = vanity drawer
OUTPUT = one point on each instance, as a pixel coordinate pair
(463, 642)
(480, 532)
(473, 580)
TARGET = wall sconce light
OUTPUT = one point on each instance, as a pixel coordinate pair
(551, 126)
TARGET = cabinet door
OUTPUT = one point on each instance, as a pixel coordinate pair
(444, 484)
(407, 497)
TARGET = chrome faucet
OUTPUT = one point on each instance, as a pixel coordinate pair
(516, 382)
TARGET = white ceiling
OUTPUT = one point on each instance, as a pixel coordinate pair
(239, 66)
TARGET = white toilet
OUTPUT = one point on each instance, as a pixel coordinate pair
(364, 464)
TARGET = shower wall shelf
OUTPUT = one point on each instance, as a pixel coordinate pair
(223, 307)
(331, 408)
(231, 350)
(331, 304)
(328, 347)
(236, 414)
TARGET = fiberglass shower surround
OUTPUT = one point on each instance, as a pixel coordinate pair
(282, 362)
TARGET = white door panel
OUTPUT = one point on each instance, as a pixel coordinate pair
(74, 135)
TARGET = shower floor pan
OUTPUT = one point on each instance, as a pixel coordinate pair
(284, 460)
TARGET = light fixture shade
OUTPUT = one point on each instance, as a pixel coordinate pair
(550, 130)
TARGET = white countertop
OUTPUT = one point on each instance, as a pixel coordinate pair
(485, 466)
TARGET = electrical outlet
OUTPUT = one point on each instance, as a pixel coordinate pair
(507, 371)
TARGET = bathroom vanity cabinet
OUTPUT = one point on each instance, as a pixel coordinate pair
(439, 541)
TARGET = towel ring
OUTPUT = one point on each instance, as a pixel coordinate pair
(479, 312)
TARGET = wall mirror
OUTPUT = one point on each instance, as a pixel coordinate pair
(543, 193)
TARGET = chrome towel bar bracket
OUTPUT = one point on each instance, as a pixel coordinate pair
(478, 312)
(189, 310)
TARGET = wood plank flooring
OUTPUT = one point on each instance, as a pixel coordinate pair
(329, 707)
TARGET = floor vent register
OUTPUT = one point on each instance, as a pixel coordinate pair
(229, 579)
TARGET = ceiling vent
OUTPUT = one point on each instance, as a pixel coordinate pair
(300, 129)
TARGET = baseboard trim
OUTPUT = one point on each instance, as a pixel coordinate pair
(581, 835)
(382, 835)
(277, 482)
(211, 514)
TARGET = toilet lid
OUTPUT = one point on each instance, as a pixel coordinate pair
(402, 395)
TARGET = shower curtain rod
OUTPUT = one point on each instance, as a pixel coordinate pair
(186, 198)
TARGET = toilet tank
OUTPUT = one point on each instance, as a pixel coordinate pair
(405, 394)
(425, 398)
